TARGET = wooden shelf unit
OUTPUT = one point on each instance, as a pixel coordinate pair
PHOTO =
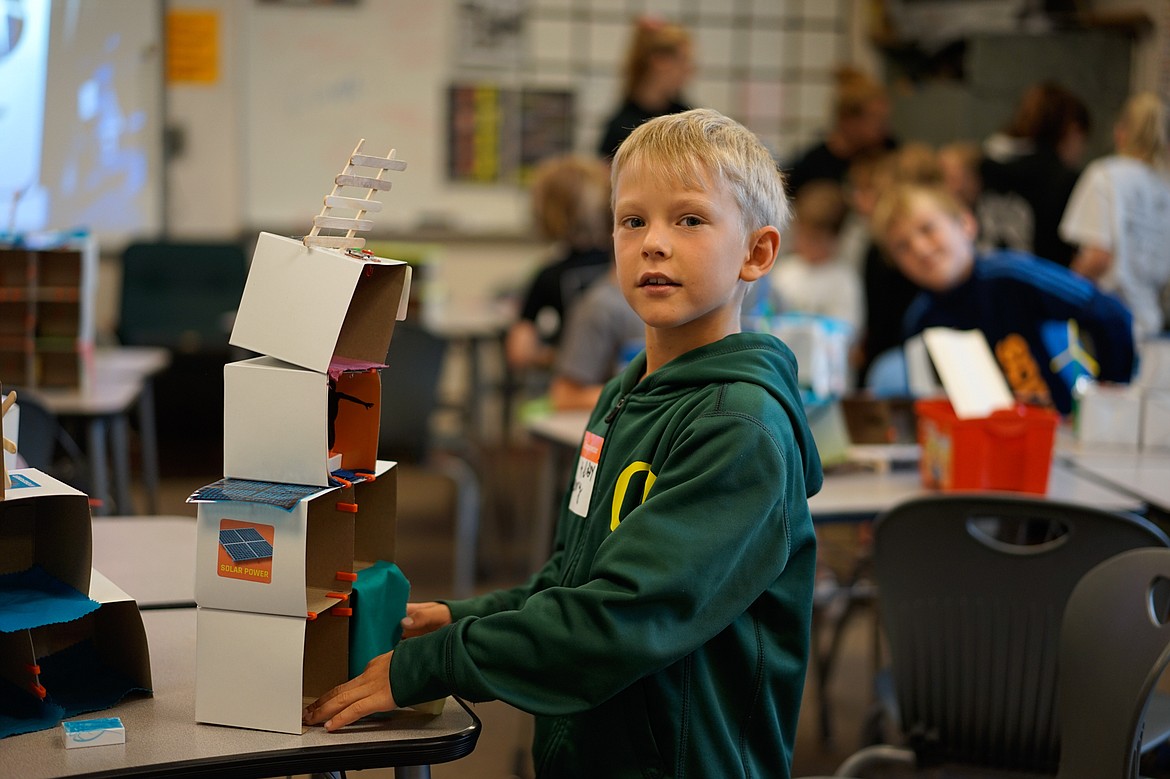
(47, 313)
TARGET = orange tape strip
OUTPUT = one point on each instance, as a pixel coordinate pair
(346, 576)
(340, 611)
(338, 595)
(352, 508)
(310, 616)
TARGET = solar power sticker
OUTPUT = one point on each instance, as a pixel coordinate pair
(245, 550)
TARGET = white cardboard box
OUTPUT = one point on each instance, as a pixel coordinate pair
(260, 670)
(1109, 414)
(1153, 363)
(305, 306)
(1156, 419)
(337, 529)
(277, 421)
(46, 522)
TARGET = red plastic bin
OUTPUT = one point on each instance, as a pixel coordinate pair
(1009, 450)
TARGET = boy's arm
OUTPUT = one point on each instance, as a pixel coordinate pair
(714, 533)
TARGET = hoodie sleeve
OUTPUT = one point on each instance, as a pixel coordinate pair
(715, 531)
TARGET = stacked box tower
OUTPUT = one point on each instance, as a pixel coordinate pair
(305, 505)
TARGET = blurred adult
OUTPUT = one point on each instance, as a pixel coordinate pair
(659, 64)
(1119, 214)
(1038, 157)
(860, 125)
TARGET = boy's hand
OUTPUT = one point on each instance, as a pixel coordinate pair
(349, 702)
(423, 618)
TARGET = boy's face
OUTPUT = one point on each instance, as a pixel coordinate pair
(932, 248)
(681, 255)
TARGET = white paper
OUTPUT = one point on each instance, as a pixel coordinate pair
(974, 383)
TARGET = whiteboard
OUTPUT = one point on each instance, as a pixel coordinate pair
(318, 79)
(81, 118)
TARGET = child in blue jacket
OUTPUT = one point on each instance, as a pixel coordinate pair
(1034, 313)
(668, 634)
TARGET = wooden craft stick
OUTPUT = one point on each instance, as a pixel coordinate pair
(377, 177)
(343, 223)
(334, 241)
(385, 163)
(313, 233)
(356, 203)
(346, 180)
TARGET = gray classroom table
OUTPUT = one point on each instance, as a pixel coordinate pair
(163, 739)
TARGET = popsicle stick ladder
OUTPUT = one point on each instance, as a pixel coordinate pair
(352, 176)
(8, 445)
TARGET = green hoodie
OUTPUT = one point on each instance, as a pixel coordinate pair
(668, 634)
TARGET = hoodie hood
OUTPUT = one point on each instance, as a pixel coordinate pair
(757, 359)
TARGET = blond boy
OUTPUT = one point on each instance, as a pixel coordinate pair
(668, 634)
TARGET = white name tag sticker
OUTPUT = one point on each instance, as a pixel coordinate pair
(586, 473)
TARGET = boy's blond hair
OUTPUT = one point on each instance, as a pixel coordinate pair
(897, 203)
(688, 146)
(570, 201)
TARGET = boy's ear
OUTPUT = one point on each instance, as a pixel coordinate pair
(763, 245)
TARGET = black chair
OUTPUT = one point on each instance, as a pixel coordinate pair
(972, 590)
(180, 295)
(1114, 645)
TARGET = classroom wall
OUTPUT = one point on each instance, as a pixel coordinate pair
(300, 83)
(291, 76)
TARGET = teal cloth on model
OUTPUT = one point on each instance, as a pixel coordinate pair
(379, 603)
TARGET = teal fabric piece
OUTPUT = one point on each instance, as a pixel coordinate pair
(379, 603)
(34, 597)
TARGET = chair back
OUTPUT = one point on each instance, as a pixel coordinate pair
(410, 390)
(972, 589)
(181, 295)
(1114, 644)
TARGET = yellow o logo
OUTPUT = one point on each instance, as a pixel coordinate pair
(623, 484)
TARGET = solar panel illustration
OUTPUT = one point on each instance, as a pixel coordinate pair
(244, 544)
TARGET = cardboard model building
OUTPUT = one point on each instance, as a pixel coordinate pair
(71, 642)
(300, 531)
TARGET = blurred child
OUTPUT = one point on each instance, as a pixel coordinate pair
(602, 337)
(1021, 303)
(1119, 214)
(668, 634)
(813, 279)
(570, 202)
